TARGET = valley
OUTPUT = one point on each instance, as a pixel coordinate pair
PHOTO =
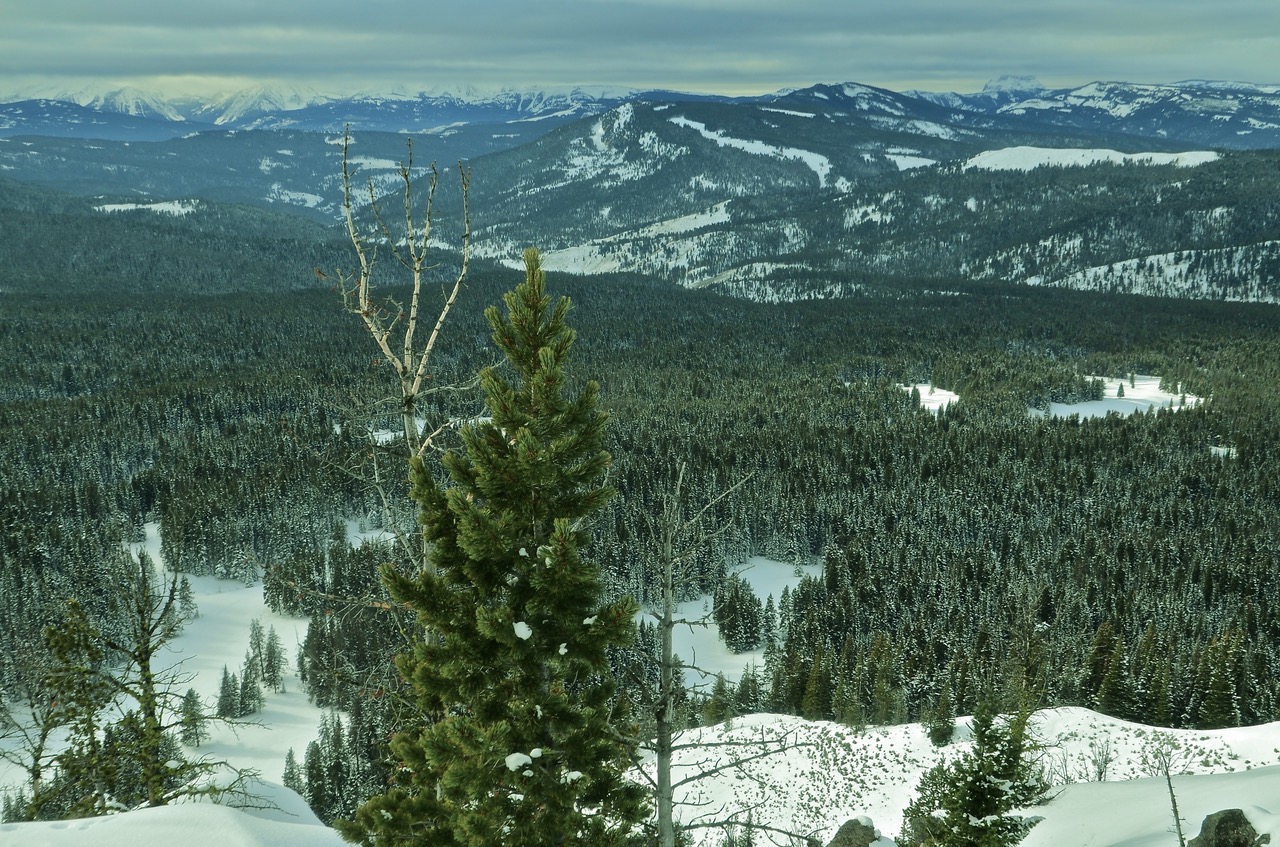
(992, 381)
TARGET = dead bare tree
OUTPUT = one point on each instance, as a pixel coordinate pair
(30, 718)
(1165, 757)
(393, 327)
(676, 536)
(399, 329)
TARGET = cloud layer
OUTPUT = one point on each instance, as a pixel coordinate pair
(725, 46)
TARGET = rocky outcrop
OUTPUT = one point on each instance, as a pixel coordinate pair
(856, 832)
(1228, 828)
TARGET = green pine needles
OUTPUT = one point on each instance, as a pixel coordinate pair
(520, 744)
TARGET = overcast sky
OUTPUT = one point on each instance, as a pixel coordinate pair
(721, 46)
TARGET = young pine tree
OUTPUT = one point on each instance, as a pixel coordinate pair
(519, 744)
(971, 801)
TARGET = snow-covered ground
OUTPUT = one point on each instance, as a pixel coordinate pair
(831, 773)
(218, 637)
(1143, 395)
(191, 825)
(177, 208)
(931, 397)
(828, 774)
(1028, 158)
(698, 643)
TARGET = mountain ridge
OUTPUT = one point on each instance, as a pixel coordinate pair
(1223, 113)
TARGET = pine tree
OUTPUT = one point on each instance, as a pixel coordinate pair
(521, 746)
(187, 601)
(251, 697)
(969, 803)
(816, 702)
(719, 705)
(192, 731)
(292, 777)
(746, 696)
(942, 723)
(257, 648)
(273, 662)
(316, 781)
(228, 695)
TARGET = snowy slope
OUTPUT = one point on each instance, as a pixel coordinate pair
(191, 825)
(822, 775)
(832, 773)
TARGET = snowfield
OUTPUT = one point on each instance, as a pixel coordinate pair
(176, 208)
(816, 162)
(1144, 395)
(1027, 158)
(1120, 396)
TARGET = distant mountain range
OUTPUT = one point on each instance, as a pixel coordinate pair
(1231, 115)
(829, 190)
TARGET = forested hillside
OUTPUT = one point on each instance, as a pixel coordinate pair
(224, 406)
(816, 193)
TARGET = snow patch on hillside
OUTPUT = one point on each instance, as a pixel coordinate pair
(631, 249)
(1120, 396)
(788, 112)
(280, 194)
(702, 646)
(608, 152)
(1028, 158)
(816, 162)
(932, 398)
(176, 208)
(1124, 397)
(906, 163)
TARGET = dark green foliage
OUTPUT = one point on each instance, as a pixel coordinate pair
(273, 662)
(192, 731)
(84, 772)
(512, 664)
(252, 698)
(126, 745)
(292, 777)
(968, 803)
(228, 695)
(354, 628)
(738, 614)
(923, 821)
(719, 704)
(133, 761)
(346, 764)
(941, 725)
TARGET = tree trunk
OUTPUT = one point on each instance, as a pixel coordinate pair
(666, 822)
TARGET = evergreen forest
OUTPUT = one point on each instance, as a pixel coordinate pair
(199, 372)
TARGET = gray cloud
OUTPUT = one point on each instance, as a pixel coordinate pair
(732, 46)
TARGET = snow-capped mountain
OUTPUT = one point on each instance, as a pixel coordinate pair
(121, 100)
(133, 102)
(1232, 115)
(1237, 115)
(791, 195)
(237, 107)
(276, 107)
(999, 92)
